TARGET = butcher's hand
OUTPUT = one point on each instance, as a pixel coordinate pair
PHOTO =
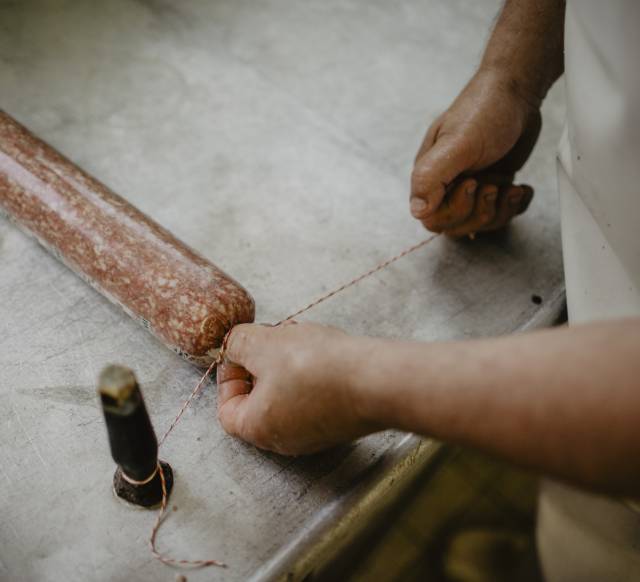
(462, 181)
(288, 388)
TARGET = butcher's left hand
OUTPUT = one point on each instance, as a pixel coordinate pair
(289, 388)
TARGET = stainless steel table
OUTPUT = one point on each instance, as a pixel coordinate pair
(276, 138)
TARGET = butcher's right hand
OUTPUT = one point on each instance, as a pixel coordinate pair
(462, 182)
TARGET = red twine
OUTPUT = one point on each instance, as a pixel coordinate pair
(163, 506)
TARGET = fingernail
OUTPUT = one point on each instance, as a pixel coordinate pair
(491, 197)
(471, 188)
(418, 206)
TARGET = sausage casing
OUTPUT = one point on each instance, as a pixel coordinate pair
(183, 299)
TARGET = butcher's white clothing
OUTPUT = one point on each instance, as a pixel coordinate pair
(583, 537)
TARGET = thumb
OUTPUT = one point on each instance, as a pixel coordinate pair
(441, 164)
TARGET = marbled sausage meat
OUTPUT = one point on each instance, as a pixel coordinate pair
(183, 299)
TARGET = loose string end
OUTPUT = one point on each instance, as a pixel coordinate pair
(172, 562)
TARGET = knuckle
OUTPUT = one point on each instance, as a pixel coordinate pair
(237, 340)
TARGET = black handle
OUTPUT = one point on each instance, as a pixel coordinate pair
(134, 446)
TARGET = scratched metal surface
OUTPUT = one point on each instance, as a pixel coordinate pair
(276, 138)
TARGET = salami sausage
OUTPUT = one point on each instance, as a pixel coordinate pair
(183, 299)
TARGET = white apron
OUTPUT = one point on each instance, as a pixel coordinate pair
(583, 537)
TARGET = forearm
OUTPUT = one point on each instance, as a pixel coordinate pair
(565, 401)
(526, 46)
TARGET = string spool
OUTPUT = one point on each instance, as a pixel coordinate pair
(139, 476)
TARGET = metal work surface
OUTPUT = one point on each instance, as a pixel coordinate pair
(276, 138)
